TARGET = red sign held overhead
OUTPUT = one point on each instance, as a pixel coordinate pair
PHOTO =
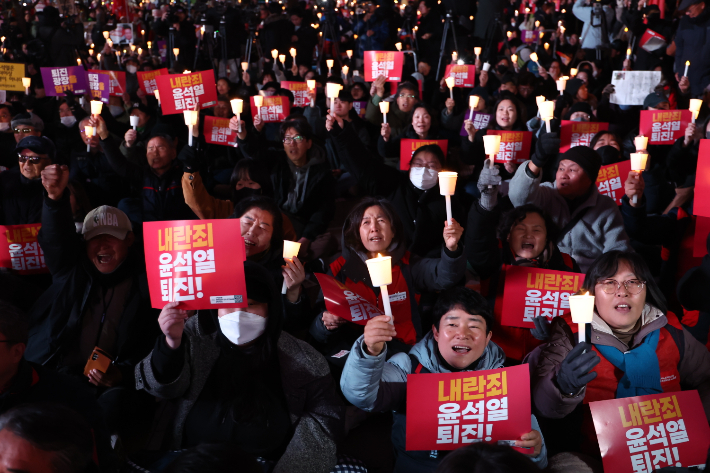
(611, 179)
(465, 74)
(664, 127)
(446, 411)
(147, 80)
(578, 133)
(117, 82)
(299, 91)
(407, 147)
(180, 92)
(217, 131)
(646, 433)
(274, 109)
(20, 250)
(383, 63)
(701, 203)
(514, 146)
(195, 262)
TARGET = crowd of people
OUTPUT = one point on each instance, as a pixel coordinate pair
(285, 384)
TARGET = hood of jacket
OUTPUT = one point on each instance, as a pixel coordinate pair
(425, 351)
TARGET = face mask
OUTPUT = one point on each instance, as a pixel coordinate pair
(502, 69)
(423, 178)
(131, 69)
(609, 154)
(4, 126)
(115, 110)
(242, 327)
(68, 121)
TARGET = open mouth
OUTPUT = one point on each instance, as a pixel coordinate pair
(460, 349)
(249, 242)
(528, 246)
(104, 259)
(376, 239)
(623, 308)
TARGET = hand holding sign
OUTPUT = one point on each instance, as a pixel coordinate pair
(378, 331)
(332, 321)
(55, 179)
(172, 323)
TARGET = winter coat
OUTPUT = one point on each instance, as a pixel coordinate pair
(56, 318)
(315, 411)
(591, 36)
(376, 23)
(372, 384)
(422, 212)
(396, 119)
(692, 42)
(599, 227)
(317, 123)
(101, 183)
(682, 361)
(307, 202)
(21, 198)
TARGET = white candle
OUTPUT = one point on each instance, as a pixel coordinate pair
(687, 64)
(190, 121)
(582, 308)
(450, 82)
(237, 108)
(447, 188)
(477, 52)
(384, 108)
(628, 53)
(694, 107)
(398, 46)
(176, 52)
(89, 131)
(641, 143)
(329, 63)
(573, 72)
(134, 121)
(472, 103)
(380, 270)
(258, 102)
(547, 112)
(291, 249)
(454, 56)
(26, 82)
(486, 67)
(312, 88)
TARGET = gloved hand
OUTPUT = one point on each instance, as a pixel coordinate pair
(542, 328)
(190, 158)
(489, 177)
(70, 98)
(546, 149)
(576, 369)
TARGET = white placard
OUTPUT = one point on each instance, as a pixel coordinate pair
(632, 87)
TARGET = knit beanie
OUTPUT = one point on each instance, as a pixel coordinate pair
(588, 159)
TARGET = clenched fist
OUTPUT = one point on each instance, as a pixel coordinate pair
(55, 179)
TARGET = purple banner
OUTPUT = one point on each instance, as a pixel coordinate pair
(480, 121)
(100, 86)
(163, 50)
(58, 79)
(360, 107)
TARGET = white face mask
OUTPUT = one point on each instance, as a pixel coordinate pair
(131, 69)
(423, 178)
(115, 110)
(242, 327)
(68, 121)
(4, 126)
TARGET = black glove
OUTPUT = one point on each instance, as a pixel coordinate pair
(576, 369)
(190, 157)
(70, 98)
(546, 149)
(542, 328)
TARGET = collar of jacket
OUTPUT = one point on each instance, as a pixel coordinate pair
(425, 350)
(651, 319)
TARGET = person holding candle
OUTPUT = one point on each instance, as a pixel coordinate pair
(692, 45)
(304, 37)
(597, 24)
(591, 222)
(374, 228)
(375, 379)
(237, 377)
(134, 141)
(636, 348)
(453, 116)
(372, 29)
(421, 127)
(399, 116)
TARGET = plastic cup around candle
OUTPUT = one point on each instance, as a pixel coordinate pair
(349, 52)
(96, 106)
(547, 112)
(274, 53)
(245, 66)
(190, 121)
(282, 59)
(380, 270)
(258, 102)
(291, 249)
(695, 115)
(134, 121)
(477, 51)
(237, 109)
(384, 108)
(106, 34)
(582, 308)
(329, 63)
(293, 52)
(561, 84)
(176, 52)
(447, 188)
(573, 72)
(450, 83)
(486, 66)
(491, 144)
(398, 46)
(533, 58)
(694, 107)
(26, 82)
(312, 88)
(641, 143)
(454, 56)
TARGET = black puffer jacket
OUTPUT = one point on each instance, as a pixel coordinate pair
(21, 198)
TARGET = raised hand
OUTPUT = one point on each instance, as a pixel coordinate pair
(55, 179)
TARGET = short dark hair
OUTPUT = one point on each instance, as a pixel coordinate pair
(408, 86)
(607, 265)
(351, 227)
(519, 109)
(468, 300)
(599, 135)
(13, 324)
(300, 124)
(518, 214)
(54, 428)
(434, 149)
(486, 458)
(266, 204)
(256, 171)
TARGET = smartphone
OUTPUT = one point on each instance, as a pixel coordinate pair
(99, 360)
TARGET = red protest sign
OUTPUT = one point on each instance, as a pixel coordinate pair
(346, 302)
(534, 292)
(20, 250)
(274, 109)
(701, 203)
(664, 127)
(446, 411)
(299, 91)
(147, 79)
(578, 133)
(407, 147)
(180, 92)
(514, 146)
(611, 178)
(645, 433)
(700, 238)
(217, 131)
(383, 63)
(117, 82)
(652, 41)
(465, 74)
(195, 262)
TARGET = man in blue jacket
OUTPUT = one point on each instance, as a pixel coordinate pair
(459, 341)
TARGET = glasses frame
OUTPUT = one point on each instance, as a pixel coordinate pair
(290, 139)
(626, 286)
(29, 159)
(22, 130)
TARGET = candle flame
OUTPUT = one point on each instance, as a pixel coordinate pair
(687, 63)
(379, 255)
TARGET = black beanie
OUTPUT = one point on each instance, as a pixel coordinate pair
(572, 87)
(587, 158)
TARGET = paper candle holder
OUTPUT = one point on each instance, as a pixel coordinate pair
(380, 270)
(190, 117)
(547, 110)
(157, 95)
(134, 120)
(454, 56)
(384, 107)
(282, 58)
(638, 161)
(332, 90)
(491, 143)
(292, 51)
(345, 70)
(329, 63)
(106, 34)
(695, 105)
(573, 72)
(641, 143)
(539, 100)
(477, 51)
(89, 131)
(533, 58)
(26, 82)
(447, 182)
(237, 106)
(349, 52)
(473, 101)
(291, 249)
(582, 308)
(450, 82)
(486, 67)
(311, 84)
(96, 106)
(176, 52)
(245, 66)
(274, 53)
(398, 46)
(258, 101)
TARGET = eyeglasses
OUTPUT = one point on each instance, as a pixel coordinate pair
(30, 159)
(23, 130)
(632, 286)
(407, 96)
(290, 139)
(160, 148)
